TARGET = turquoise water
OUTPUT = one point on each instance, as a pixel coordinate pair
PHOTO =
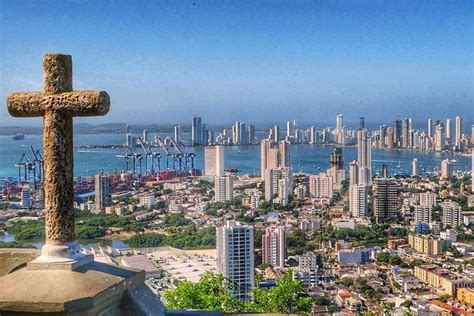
(307, 158)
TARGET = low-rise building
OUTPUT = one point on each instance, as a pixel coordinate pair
(442, 280)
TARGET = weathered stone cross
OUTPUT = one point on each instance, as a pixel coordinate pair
(58, 104)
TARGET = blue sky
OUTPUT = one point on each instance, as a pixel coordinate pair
(256, 61)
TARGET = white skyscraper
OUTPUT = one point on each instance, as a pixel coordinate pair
(428, 199)
(364, 157)
(430, 128)
(353, 173)
(223, 188)
(451, 214)
(446, 169)
(458, 134)
(278, 185)
(235, 257)
(414, 167)
(274, 156)
(448, 129)
(214, 161)
(358, 200)
(321, 186)
(274, 246)
(439, 139)
(422, 214)
(177, 133)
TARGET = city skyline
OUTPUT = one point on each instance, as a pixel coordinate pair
(300, 62)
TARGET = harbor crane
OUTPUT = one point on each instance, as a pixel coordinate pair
(154, 157)
(128, 155)
(30, 170)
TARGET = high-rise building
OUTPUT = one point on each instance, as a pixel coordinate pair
(448, 130)
(364, 157)
(214, 160)
(361, 122)
(405, 132)
(223, 188)
(128, 136)
(276, 133)
(204, 135)
(386, 199)
(273, 156)
(26, 196)
(382, 136)
(103, 192)
(414, 167)
(252, 138)
(384, 171)
(274, 246)
(145, 136)
(340, 122)
(458, 135)
(422, 214)
(446, 169)
(451, 214)
(235, 257)
(177, 134)
(358, 200)
(353, 173)
(430, 128)
(278, 185)
(321, 186)
(472, 170)
(439, 139)
(428, 199)
(196, 131)
(312, 135)
(397, 126)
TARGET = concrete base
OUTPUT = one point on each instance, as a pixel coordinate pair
(92, 288)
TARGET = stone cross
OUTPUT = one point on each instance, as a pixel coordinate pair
(58, 104)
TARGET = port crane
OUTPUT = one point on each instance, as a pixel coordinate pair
(32, 168)
(162, 143)
(128, 155)
(154, 157)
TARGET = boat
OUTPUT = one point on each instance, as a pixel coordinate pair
(232, 170)
(18, 136)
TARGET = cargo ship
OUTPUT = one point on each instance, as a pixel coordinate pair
(18, 136)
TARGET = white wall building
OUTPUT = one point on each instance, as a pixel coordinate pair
(235, 257)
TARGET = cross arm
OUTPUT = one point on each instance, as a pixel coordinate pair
(78, 103)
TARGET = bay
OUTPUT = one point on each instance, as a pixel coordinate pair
(305, 157)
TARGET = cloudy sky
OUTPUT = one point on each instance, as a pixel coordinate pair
(256, 61)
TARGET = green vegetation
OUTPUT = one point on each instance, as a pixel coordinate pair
(88, 226)
(14, 244)
(211, 294)
(30, 230)
(190, 238)
(298, 242)
(374, 235)
(386, 257)
(172, 220)
(205, 186)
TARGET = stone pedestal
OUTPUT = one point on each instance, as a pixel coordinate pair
(90, 288)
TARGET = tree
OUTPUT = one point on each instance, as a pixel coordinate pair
(407, 303)
(211, 293)
(286, 297)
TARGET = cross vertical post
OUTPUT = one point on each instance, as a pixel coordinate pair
(58, 104)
